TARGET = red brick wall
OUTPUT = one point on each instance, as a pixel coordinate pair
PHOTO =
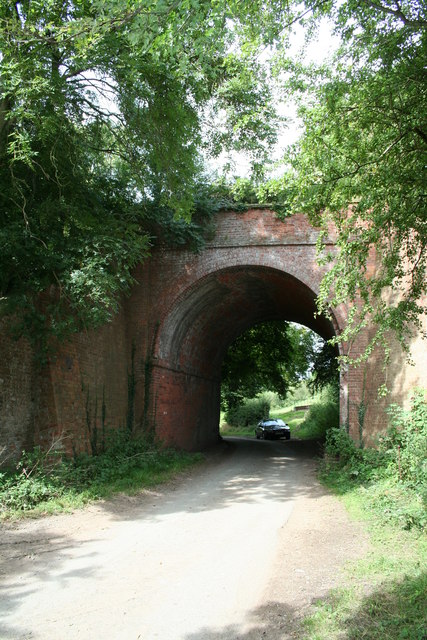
(186, 408)
(89, 381)
(83, 388)
(18, 395)
(182, 314)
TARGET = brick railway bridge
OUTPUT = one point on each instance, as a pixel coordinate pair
(157, 364)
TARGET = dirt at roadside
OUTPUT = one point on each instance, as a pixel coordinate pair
(317, 543)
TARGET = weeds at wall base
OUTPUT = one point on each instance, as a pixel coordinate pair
(128, 464)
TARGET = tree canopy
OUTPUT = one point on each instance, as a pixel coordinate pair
(361, 160)
(105, 111)
(108, 108)
(270, 356)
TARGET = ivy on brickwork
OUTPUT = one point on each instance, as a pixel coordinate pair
(96, 436)
(147, 425)
(361, 409)
(148, 376)
(130, 414)
(96, 439)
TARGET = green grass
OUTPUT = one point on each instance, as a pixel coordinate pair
(41, 485)
(241, 432)
(386, 593)
(385, 596)
(293, 418)
(227, 430)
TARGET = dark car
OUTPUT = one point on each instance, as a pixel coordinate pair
(271, 429)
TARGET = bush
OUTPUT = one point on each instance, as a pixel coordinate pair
(27, 493)
(394, 476)
(405, 444)
(249, 413)
(45, 477)
(322, 416)
(340, 446)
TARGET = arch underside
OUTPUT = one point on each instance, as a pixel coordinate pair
(203, 324)
(197, 332)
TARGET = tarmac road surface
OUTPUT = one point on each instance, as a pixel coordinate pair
(236, 549)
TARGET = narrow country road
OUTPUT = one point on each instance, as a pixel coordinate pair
(236, 549)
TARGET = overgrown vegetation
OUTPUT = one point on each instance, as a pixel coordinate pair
(392, 477)
(251, 411)
(105, 108)
(46, 481)
(321, 414)
(386, 596)
(270, 356)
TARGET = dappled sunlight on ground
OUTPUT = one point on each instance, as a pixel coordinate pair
(246, 540)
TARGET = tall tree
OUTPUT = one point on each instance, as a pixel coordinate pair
(361, 160)
(324, 367)
(271, 356)
(106, 105)
(102, 108)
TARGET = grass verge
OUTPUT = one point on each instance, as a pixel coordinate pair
(293, 419)
(385, 596)
(386, 593)
(46, 482)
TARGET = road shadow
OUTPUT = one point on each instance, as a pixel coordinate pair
(397, 608)
(275, 466)
(27, 552)
(272, 621)
(43, 548)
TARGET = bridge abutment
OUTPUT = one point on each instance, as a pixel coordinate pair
(157, 365)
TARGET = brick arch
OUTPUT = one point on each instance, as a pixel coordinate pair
(209, 315)
(257, 268)
(156, 365)
(198, 329)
